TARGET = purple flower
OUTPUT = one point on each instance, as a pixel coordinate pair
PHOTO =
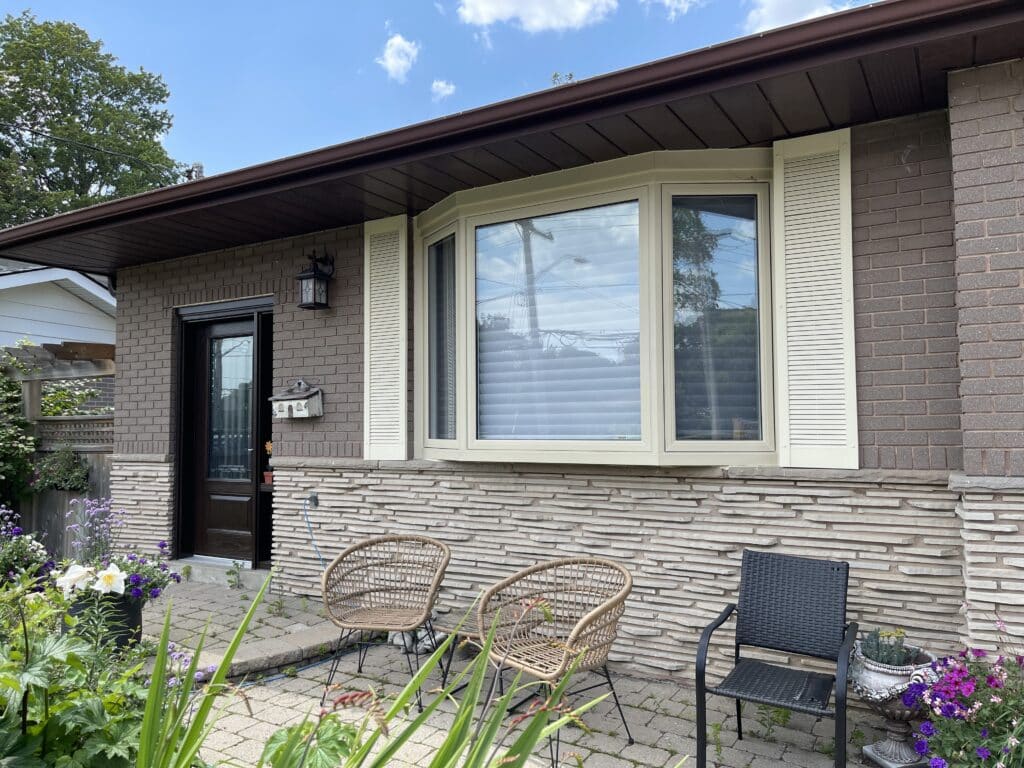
(16, 531)
(161, 545)
(176, 578)
(136, 593)
(199, 677)
(921, 747)
(928, 728)
(984, 733)
(983, 752)
(135, 579)
(979, 653)
(938, 762)
(154, 592)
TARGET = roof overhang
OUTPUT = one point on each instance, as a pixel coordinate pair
(862, 65)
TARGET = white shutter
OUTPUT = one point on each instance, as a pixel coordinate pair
(813, 287)
(385, 245)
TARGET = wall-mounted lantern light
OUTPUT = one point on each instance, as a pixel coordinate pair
(313, 281)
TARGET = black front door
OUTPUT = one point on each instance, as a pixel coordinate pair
(224, 427)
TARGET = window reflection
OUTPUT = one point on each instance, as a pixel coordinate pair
(714, 287)
(558, 326)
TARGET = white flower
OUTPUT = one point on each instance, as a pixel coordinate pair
(75, 577)
(110, 579)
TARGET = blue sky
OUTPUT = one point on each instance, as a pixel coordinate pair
(253, 81)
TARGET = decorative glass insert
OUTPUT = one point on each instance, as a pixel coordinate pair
(558, 326)
(230, 408)
(441, 338)
(715, 304)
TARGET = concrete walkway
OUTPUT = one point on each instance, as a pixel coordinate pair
(290, 637)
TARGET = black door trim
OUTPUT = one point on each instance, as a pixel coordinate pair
(187, 320)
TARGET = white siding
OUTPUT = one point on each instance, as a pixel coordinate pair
(48, 314)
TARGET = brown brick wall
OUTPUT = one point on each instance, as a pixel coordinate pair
(986, 119)
(904, 295)
(323, 346)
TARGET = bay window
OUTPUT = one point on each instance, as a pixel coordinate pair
(628, 326)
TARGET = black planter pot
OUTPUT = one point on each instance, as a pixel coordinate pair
(124, 616)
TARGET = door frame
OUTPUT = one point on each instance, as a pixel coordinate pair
(187, 320)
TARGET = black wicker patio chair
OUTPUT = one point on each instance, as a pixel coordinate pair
(794, 605)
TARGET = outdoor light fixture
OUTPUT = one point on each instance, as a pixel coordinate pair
(313, 281)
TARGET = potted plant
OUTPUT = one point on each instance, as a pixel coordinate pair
(118, 582)
(268, 474)
(883, 668)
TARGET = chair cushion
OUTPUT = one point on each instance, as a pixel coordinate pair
(378, 619)
(763, 683)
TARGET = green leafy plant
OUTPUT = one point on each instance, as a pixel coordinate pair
(16, 443)
(888, 647)
(175, 723)
(66, 397)
(62, 470)
(234, 575)
(771, 718)
(716, 738)
(186, 572)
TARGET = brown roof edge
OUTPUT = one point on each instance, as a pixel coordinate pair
(859, 24)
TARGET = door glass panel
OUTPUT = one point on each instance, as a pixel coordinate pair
(230, 407)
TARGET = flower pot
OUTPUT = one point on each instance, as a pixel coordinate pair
(881, 687)
(124, 617)
(268, 478)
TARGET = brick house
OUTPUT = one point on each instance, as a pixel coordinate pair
(766, 294)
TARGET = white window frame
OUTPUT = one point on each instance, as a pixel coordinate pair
(651, 179)
(725, 451)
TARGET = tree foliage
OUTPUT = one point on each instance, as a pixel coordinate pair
(76, 128)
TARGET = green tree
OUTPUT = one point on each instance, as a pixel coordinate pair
(76, 128)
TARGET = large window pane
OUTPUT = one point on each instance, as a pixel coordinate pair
(714, 276)
(441, 337)
(558, 326)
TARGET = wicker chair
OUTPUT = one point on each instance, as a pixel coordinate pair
(550, 614)
(794, 605)
(387, 584)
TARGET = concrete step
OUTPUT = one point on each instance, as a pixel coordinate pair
(204, 570)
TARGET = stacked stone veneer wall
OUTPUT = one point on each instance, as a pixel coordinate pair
(681, 535)
(143, 487)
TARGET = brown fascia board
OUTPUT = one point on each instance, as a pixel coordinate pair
(860, 31)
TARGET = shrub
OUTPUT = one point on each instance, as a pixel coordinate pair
(62, 470)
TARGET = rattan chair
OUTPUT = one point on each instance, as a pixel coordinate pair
(553, 613)
(387, 584)
(794, 605)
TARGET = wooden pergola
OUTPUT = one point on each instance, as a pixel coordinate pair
(57, 362)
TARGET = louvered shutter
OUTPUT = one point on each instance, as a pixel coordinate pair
(385, 338)
(813, 288)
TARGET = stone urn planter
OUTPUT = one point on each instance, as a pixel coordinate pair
(881, 687)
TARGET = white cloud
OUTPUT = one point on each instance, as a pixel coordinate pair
(674, 8)
(441, 89)
(768, 14)
(398, 57)
(536, 15)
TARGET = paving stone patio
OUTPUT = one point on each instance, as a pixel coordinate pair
(660, 713)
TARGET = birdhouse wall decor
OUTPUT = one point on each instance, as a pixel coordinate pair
(299, 401)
